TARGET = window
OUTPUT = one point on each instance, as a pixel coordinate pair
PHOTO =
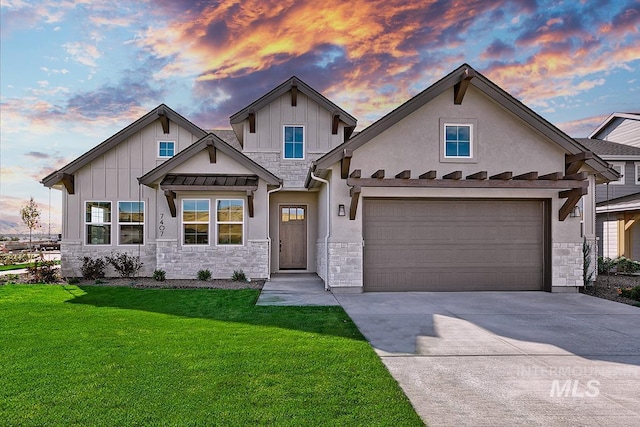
(293, 142)
(166, 148)
(619, 167)
(98, 223)
(195, 222)
(457, 140)
(230, 221)
(131, 223)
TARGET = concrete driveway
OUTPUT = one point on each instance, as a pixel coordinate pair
(507, 358)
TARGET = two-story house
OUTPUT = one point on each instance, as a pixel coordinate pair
(460, 188)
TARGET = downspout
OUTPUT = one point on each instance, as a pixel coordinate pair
(326, 238)
(269, 229)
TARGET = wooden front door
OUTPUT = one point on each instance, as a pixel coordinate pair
(293, 237)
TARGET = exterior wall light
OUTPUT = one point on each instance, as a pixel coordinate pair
(576, 212)
(341, 211)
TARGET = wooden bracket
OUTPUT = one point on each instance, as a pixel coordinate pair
(357, 173)
(578, 176)
(505, 176)
(211, 148)
(478, 175)
(250, 202)
(453, 175)
(294, 95)
(573, 197)
(68, 181)
(553, 176)
(405, 174)
(428, 175)
(345, 163)
(574, 162)
(460, 88)
(355, 196)
(379, 174)
(171, 201)
(252, 122)
(529, 176)
(164, 120)
(334, 124)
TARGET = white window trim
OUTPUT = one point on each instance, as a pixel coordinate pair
(144, 216)
(158, 150)
(182, 223)
(110, 223)
(637, 165)
(622, 166)
(304, 142)
(244, 215)
(473, 139)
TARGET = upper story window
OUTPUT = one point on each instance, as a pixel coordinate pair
(230, 221)
(294, 142)
(619, 167)
(195, 222)
(166, 149)
(98, 223)
(458, 141)
(131, 223)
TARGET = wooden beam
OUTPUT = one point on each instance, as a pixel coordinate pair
(211, 148)
(405, 174)
(579, 176)
(171, 201)
(357, 173)
(573, 197)
(553, 176)
(68, 181)
(379, 174)
(629, 221)
(503, 176)
(466, 183)
(574, 162)
(460, 88)
(529, 176)
(345, 163)
(250, 202)
(294, 95)
(354, 192)
(573, 192)
(453, 175)
(428, 175)
(252, 122)
(335, 123)
(478, 175)
(164, 121)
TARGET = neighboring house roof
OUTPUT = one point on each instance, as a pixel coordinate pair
(607, 149)
(487, 87)
(610, 119)
(161, 112)
(209, 140)
(238, 118)
(621, 204)
(228, 136)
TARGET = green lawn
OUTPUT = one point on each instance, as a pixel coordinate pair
(20, 266)
(95, 355)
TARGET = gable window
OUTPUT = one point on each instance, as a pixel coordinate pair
(458, 142)
(230, 221)
(619, 167)
(98, 223)
(195, 222)
(294, 142)
(131, 223)
(166, 149)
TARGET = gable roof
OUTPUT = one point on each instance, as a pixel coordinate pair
(487, 87)
(610, 119)
(238, 118)
(210, 139)
(609, 148)
(160, 111)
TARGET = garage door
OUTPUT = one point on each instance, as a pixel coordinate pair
(453, 245)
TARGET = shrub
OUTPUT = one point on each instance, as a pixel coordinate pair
(626, 265)
(11, 259)
(73, 280)
(633, 293)
(93, 268)
(159, 275)
(204, 275)
(9, 279)
(125, 264)
(43, 272)
(605, 264)
(239, 276)
(587, 274)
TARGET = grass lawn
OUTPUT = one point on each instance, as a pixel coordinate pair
(20, 266)
(97, 355)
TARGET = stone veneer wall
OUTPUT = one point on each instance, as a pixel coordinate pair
(566, 266)
(292, 172)
(321, 254)
(71, 254)
(345, 266)
(184, 262)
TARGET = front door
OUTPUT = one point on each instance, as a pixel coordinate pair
(293, 237)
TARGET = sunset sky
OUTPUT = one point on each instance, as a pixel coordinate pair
(74, 73)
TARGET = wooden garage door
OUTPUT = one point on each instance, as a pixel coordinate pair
(453, 245)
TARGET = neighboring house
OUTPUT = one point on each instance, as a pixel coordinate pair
(617, 140)
(460, 188)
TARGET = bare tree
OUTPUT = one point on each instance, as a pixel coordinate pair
(30, 216)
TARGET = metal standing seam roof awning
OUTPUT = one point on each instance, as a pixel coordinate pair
(208, 182)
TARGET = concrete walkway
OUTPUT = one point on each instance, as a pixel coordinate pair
(297, 289)
(507, 358)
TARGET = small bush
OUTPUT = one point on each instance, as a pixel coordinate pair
(125, 264)
(626, 265)
(9, 279)
(239, 276)
(204, 275)
(605, 264)
(633, 293)
(93, 268)
(159, 275)
(43, 272)
(12, 259)
(73, 280)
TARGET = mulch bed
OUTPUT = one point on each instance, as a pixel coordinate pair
(607, 286)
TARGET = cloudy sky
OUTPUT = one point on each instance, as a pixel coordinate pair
(75, 72)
